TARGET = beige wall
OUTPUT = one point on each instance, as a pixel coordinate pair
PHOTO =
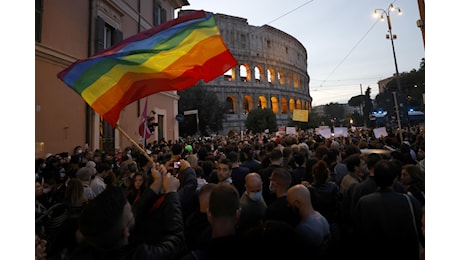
(60, 113)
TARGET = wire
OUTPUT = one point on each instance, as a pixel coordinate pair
(283, 15)
(352, 49)
(295, 9)
(349, 53)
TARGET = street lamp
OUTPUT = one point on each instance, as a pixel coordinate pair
(386, 13)
(391, 36)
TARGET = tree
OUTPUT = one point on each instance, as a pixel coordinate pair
(368, 106)
(364, 102)
(260, 119)
(334, 112)
(356, 101)
(210, 111)
(410, 97)
(412, 87)
(315, 119)
(298, 124)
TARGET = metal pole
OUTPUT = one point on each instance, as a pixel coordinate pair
(397, 116)
(361, 107)
(421, 22)
(394, 53)
(398, 83)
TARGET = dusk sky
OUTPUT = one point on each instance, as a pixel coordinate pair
(345, 43)
(346, 47)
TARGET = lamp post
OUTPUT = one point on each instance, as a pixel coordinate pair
(391, 36)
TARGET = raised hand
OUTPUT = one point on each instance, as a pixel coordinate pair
(170, 183)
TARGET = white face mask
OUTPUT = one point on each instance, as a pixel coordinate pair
(46, 190)
(255, 196)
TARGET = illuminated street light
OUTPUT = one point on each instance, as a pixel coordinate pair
(386, 13)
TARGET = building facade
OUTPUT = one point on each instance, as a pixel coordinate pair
(272, 72)
(66, 31)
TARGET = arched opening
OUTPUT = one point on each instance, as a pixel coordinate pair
(275, 107)
(247, 104)
(229, 75)
(298, 104)
(245, 74)
(281, 77)
(291, 105)
(288, 78)
(257, 74)
(230, 105)
(284, 106)
(271, 75)
(262, 102)
(296, 80)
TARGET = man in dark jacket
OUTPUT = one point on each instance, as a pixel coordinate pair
(387, 222)
(223, 215)
(107, 221)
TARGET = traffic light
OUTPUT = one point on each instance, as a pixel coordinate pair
(151, 124)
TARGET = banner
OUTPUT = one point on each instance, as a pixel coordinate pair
(300, 115)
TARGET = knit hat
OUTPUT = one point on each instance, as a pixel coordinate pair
(85, 173)
(91, 164)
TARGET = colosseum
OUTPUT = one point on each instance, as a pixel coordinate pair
(272, 72)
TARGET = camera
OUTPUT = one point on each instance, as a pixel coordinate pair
(176, 165)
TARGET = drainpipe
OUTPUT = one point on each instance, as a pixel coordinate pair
(138, 31)
(90, 52)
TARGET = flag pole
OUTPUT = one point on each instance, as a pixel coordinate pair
(135, 144)
(145, 133)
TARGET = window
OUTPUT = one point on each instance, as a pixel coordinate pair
(229, 104)
(228, 76)
(274, 102)
(108, 31)
(244, 73)
(38, 20)
(257, 74)
(106, 35)
(159, 14)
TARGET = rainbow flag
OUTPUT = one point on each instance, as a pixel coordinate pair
(171, 56)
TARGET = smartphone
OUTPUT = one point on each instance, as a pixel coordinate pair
(176, 165)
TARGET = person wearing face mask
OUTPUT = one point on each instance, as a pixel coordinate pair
(252, 203)
(78, 150)
(280, 181)
(276, 160)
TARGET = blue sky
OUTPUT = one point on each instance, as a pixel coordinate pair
(346, 45)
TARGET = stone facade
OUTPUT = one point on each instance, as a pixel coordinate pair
(272, 72)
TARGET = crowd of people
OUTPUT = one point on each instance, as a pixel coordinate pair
(252, 196)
